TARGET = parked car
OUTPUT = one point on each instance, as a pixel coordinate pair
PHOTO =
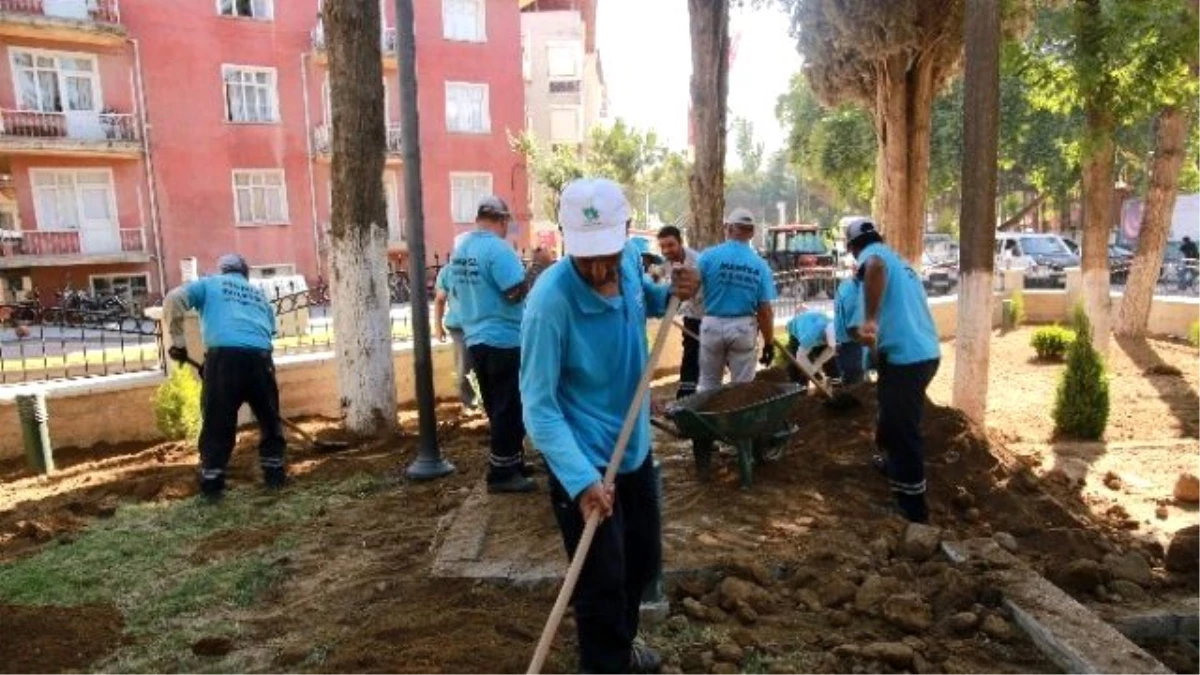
(939, 277)
(1043, 257)
(1120, 260)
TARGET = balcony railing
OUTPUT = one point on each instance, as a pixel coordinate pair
(323, 139)
(100, 11)
(82, 126)
(71, 242)
(387, 39)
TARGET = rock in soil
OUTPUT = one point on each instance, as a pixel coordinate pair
(693, 609)
(837, 593)
(746, 614)
(1131, 567)
(909, 612)
(679, 622)
(728, 651)
(733, 591)
(957, 592)
(1112, 481)
(962, 499)
(744, 638)
(752, 571)
(1128, 590)
(809, 600)
(1081, 576)
(874, 590)
(895, 654)
(724, 668)
(962, 623)
(1187, 488)
(995, 627)
(212, 646)
(839, 619)
(1161, 513)
(921, 541)
(846, 651)
(882, 548)
(32, 529)
(1182, 554)
(1006, 541)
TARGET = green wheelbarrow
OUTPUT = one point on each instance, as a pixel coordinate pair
(758, 430)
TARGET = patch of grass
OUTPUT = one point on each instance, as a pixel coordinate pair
(1194, 334)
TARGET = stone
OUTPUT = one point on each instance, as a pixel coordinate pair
(693, 662)
(921, 541)
(995, 627)
(962, 498)
(694, 609)
(1112, 481)
(1131, 567)
(746, 614)
(733, 590)
(1182, 551)
(1187, 488)
(837, 592)
(909, 612)
(962, 622)
(1081, 576)
(895, 654)
(725, 668)
(1006, 541)
(955, 591)
(679, 622)
(839, 619)
(846, 651)
(972, 515)
(808, 599)
(693, 587)
(881, 548)
(744, 638)
(1161, 513)
(803, 577)
(728, 651)
(752, 571)
(32, 529)
(874, 590)
(917, 644)
(1128, 590)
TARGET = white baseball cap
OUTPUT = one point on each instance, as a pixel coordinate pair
(592, 213)
(740, 217)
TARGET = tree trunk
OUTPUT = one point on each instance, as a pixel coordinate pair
(903, 110)
(709, 23)
(358, 228)
(1169, 136)
(981, 95)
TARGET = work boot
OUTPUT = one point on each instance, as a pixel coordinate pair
(513, 482)
(275, 478)
(913, 507)
(643, 659)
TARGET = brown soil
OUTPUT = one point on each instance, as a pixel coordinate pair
(741, 396)
(56, 639)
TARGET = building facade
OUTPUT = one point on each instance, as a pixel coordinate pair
(140, 134)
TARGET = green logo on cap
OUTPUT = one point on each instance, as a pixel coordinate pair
(591, 213)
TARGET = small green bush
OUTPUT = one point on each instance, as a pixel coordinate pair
(1194, 334)
(1081, 406)
(1052, 342)
(1018, 308)
(177, 406)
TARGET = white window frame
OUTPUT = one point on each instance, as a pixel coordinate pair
(283, 196)
(481, 23)
(60, 74)
(468, 210)
(276, 117)
(39, 218)
(118, 275)
(270, 10)
(485, 113)
(576, 57)
(578, 110)
(280, 270)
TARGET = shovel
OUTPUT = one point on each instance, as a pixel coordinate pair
(838, 401)
(319, 446)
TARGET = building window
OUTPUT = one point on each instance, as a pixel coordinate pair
(132, 288)
(271, 271)
(56, 82)
(70, 200)
(250, 9)
(467, 108)
(250, 95)
(463, 20)
(466, 189)
(566, 124)
(562, 60)
(260, 197)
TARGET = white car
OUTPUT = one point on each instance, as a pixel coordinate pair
(1043, 257)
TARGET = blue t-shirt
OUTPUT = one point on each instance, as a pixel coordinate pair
(450, 319)
(906, 330)
(809, 328)
(482, 269)
(232, 312)
(582, 356)
(736, 280)
(846, 309)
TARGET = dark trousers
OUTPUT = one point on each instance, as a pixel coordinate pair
(498, 371)
(850, 362)
(233, 377)
(901, 392)
(621, 563)
(689, 368)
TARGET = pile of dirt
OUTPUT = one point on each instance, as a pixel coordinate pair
(56, 639)
(740, 396)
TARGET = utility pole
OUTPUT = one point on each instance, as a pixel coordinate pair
(429, 463)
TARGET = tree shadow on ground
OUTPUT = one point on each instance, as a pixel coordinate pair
(1172, 389)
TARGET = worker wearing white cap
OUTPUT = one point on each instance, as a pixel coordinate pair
(237, 324)
(896, 321)
(445, 320)
(738, 290)
(583, 342)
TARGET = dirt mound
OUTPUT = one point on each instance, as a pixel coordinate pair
(56, 639)
(741, 396)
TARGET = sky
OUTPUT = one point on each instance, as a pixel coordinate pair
(646, 54)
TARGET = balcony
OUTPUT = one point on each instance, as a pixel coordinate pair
(387, 43)
(96, 22)
(74, 134)
(57, 248)
(323, 143)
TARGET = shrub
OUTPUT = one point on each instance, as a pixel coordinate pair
(1018, 308)
(1194, 334)
(1052, 342)
(1081, 406)
(177, 406)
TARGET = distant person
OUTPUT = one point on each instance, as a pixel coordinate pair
(237, 323)
(1189, 249)
(738, 290)
(897, 322)
(812, 341)
(670, 242)
(445, 320)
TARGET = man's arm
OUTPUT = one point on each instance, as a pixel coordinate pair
(766, 322)
(543, 338)
(175, 306)
(874, 283)
(510, 275)
(439, 313)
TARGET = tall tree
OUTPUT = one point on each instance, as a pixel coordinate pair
(750, 150)
(709, 27)
(891, 58)
(358, 228)
(981, 95)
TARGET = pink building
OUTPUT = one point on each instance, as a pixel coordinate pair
(134, 136)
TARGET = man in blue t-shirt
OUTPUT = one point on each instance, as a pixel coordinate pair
(811, 341)
(897, 322)
(445, 320)
(583, 342)
(738, 290)
(490, 283)
(237, 324)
